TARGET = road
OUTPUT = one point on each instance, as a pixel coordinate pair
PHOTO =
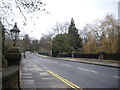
(82, 75)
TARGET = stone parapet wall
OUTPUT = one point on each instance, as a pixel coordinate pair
(10, 77)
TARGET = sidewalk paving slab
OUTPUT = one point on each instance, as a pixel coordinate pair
(34, 77)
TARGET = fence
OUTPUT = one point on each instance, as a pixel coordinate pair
(106, 56)
(44, 53)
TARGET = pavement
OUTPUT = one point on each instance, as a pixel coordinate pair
(95, 62)
(33, 76)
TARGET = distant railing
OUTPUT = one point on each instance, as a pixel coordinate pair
(44, 53)
(106, 56)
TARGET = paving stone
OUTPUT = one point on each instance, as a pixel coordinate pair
(29, 86)
(29, 69)
(28, 82)
(27, 74)
(44, 74)
(47, 78)
(35, 78)
(43, 86)
(29, 89)
(39, 69)
(27, 77)
(56, 86)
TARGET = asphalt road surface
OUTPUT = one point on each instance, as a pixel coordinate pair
(82, 75)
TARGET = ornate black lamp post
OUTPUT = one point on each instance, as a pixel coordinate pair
(14, 33)
(13, 54)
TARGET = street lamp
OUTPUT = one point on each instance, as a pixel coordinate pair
(14, 33)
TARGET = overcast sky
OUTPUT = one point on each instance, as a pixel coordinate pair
(82, 11)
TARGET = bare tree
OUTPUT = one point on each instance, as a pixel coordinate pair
(108, 25)
(61, 28)
(25, 8)
(25, 44)
(45, 43)
(102, 32)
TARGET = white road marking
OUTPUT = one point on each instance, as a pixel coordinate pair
(87, 70)
(66, 65)
(116, 76)
(55, 62)
(93, 71)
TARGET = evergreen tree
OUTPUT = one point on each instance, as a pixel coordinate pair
(74, 38)
(60, 44)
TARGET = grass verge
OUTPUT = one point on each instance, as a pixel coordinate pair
(111, 61)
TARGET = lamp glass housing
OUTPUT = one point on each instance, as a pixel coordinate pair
(14, 33)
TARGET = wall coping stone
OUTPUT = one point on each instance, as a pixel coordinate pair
(9, 72)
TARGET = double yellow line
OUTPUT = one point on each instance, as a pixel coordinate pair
(65, 81)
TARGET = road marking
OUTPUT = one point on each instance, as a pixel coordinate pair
(66, 65)
(87, 70)
(93, 71)
(116, 76)
(55, 62)
(65, 81)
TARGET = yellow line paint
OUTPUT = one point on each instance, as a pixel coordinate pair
(65, 81)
